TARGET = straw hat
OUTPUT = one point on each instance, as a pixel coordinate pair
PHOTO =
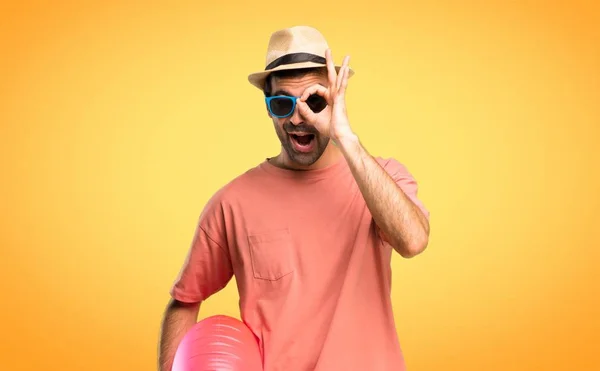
(293, 48)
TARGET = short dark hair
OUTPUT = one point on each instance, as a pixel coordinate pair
(298, 72)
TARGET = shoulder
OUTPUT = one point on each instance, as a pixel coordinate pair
(404, 179)
(392, 166)
(238, 187)
(399, 172)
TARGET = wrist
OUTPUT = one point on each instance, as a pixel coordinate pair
(346, 140)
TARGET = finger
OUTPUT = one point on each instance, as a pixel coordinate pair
(305, 111)
(314, 89)
(344, 84)
(340, 77)
(331, 72)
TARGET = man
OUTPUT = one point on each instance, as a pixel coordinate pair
(308, 233)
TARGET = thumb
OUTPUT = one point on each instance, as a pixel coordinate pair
(305, 110)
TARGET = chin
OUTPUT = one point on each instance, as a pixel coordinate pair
(303, 159)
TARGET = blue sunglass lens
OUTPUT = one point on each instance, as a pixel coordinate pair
(281, 106)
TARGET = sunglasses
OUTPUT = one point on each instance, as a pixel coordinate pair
(284, 105)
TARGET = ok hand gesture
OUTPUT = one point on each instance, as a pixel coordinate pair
(333, 123)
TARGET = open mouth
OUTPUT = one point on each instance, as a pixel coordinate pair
(303, 142)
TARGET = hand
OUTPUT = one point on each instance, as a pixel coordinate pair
(335, 124)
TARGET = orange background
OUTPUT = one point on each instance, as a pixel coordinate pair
(120, 119)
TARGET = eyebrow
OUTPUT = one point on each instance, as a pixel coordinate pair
(283, 92)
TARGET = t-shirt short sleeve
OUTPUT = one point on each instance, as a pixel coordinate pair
(207, 267)
(405, 181)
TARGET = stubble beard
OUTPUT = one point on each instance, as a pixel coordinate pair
(302, 159)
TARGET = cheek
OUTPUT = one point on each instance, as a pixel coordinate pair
(278, 124)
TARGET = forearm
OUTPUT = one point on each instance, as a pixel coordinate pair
(178, 319)
(402, 223)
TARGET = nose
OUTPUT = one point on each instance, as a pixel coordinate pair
(296, 118)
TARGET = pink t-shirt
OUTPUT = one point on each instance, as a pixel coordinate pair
(312, 272)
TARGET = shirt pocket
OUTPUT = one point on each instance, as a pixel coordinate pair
(271, 254)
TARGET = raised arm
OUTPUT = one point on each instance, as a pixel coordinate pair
(402, 224)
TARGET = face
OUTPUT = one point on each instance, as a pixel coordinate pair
(302, 143)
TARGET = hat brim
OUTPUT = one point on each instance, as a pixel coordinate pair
(258, 78)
